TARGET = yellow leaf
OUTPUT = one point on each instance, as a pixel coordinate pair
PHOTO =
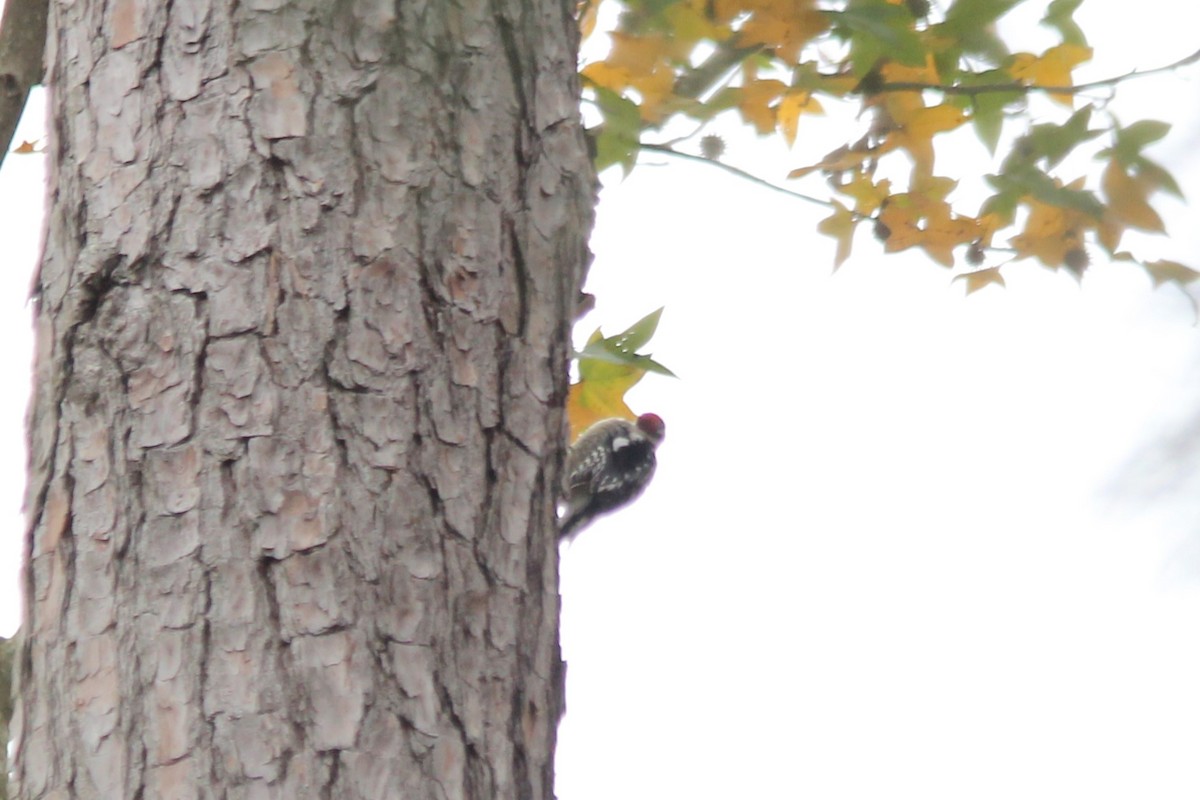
(606, 76)
(894, 72)
(868, 196)
(642, 63)
(1053, 68)
(790, 108)
(944, 232)
(590, 401)
(843, 158)
(980, 278)
(930, 191)
(636, 54)
(756, 100)
(1050, 233)
(690, 22)
(916, 134)
(725, 11)
(900, 223)
(1110, 232)
(988, 225)
(587, 18)
(784, 26)
(929, 121)
(841, 227)
(1170, 272)
(921, 217)
(1127, 199)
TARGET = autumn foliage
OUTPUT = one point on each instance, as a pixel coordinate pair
(1064, 179)
(909, 73)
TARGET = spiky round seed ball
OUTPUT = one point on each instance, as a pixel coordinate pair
(712, 147)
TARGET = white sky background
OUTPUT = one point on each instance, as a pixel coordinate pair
(879, 559)
(882, 557)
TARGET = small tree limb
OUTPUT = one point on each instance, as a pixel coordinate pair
(741, 173)
(1024, 88)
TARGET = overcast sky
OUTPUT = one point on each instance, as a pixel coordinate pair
(886, 554)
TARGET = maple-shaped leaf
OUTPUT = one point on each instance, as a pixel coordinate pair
(601, 396)
(868, 195)
(988, 108)
(619, 138)
(608, 368)
(843, 158)
(1128, 199)
(690, 22)
(1050, 233)
(943, 231)
(916, 133)
(1058, 15)
(981, 278)
(785, 26)
(757, 101)
(1055, 142)
(899, 224)
(1130, 141)
(643, 63)
(790, 108)
(878, 29)
(840, 226)
(587, 15)
(1170, 272)
(1051, 69)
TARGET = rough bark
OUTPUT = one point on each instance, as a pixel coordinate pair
(7, 647)
(302, 337)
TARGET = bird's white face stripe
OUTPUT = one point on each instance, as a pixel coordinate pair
(619, 441)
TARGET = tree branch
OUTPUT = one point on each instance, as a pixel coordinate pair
(909, 86)
(741, 173)
(22, 43)
(698, 80)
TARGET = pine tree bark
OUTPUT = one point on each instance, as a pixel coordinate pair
(302, 326)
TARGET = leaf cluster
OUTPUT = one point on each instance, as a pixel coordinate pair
(910, 74)
(609, 366)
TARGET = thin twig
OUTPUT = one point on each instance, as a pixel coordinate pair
(741, 173)
(910, 86)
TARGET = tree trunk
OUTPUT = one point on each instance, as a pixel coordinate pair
(302, 330)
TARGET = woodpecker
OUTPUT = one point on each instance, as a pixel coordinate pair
(609, 466)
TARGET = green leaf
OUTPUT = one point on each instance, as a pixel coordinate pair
(1055, 142)
(969, 23)
(988, 107)
(619, 138)
(591, 355)
(1158, 176)
(621, 349)
(1003, 205)
(1130, 141)
(877, 29)
(1028, 179)
(639, 334)
(965, 14)
(1059, 16)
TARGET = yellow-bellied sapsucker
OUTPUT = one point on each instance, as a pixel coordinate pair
(610, 464)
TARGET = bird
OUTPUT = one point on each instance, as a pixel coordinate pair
(608, 467)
